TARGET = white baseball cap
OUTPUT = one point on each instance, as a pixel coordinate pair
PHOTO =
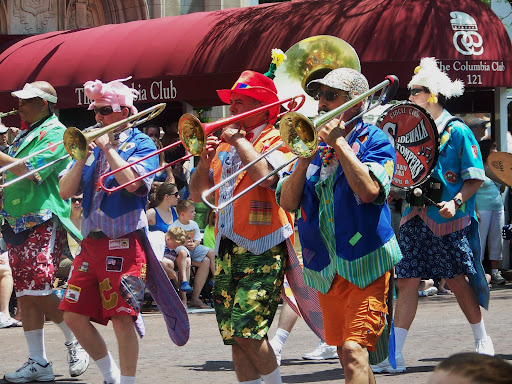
(32, 90)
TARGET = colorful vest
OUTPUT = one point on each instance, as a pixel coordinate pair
(257, 212)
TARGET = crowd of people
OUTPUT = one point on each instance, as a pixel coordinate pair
(58, 224)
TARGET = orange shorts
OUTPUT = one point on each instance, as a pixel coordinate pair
(355, 314)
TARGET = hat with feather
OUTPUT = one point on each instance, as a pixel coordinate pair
(428, 75)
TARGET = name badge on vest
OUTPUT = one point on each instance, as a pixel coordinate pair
(118, 244)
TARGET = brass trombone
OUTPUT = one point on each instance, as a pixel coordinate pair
(76, 142)
(10, 113)
(193, 133)
(299, 134)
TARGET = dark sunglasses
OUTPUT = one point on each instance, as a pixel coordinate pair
(328, 95)
(417, 91)
(175, 194)
(76, 199)
(103, 111)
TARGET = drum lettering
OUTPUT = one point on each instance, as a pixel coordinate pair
(415, 165)
(415, 135)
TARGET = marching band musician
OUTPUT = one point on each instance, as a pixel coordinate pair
(448, 246)
(251, 233)
(348, 244)
(108, 276)
(36, 220)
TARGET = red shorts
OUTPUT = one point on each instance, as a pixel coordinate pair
(34, 263)
(355, 314)
(107, 278)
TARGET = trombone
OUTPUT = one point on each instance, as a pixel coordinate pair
(76, 142)
(193, 133)
(10, 113)
(299, 134)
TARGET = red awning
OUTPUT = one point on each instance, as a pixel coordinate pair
(185, 58)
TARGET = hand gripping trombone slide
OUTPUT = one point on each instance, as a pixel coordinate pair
(299, 134)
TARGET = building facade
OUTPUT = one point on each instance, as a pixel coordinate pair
(29, 17)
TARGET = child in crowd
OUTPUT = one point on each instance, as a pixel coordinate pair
(175, 238)
(209, 230)
(202, 257)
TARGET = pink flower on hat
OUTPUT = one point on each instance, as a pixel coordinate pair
(114, 94)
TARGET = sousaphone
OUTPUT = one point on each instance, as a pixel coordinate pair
(311, 59)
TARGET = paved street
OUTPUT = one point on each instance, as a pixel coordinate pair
(439, 330)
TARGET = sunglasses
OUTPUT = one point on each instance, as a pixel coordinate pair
(103, 111)
(76, 199)
(417, 91)
(328, 95)
(175, 194)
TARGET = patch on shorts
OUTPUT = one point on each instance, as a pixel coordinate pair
(72, 293)
(132, 291)
(114, 264)
(118, 244)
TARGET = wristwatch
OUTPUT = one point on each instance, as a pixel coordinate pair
(458, 201)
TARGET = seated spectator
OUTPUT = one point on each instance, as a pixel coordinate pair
(66, 261)
(165, 175)
(180, 170)
(175, 238)
(6, 286)
(161, 212)
(472, 368)
(152, 131)
(202, 257)
(209, 230)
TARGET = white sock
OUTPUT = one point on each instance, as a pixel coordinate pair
(257, 381)
(479, 330)
(70, 338)
(279, 339)
(273, 377)
(35, 342)
(108, 368)
(400, 336)
(127, 379)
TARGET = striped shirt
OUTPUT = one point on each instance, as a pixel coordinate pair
(362, 271)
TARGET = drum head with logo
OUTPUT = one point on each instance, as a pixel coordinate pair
(414, 135)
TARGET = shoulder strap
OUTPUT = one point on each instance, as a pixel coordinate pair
(448, 121)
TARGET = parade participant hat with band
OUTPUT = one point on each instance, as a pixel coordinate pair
(114, 94)
(428, 75)
(344, 79)
(41, 89)
(256, 85)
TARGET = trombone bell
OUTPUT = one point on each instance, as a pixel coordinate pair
(299, 134)
(76, 143)
(192, 134)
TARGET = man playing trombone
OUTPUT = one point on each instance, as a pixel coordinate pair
(108, 277)
(251, 232)
(35, 224)
(348, 245)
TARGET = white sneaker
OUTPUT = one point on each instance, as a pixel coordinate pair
(78, 359)
(385, 366)
(31, 371)
(428, 292)
(323, 351)
(484, 346)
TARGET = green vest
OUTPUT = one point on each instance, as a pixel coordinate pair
(26, 196)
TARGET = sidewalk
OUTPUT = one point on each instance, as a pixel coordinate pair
(439, 330)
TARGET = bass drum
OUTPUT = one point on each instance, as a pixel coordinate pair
(414, 135)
